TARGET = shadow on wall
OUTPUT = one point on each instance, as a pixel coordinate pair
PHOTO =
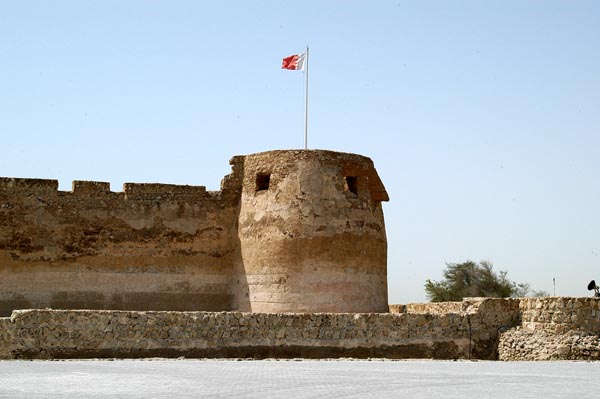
(239, 286)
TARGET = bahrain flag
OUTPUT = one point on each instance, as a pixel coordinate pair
(294, 62)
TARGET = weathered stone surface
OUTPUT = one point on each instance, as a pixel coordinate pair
(483, 328)
(554, 328)
(88, 333)
(310, 238)
(149, 247)
(315, 239)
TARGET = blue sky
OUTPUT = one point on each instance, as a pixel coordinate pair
(482, 117)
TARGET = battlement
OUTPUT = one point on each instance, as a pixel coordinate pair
(82, 187)
(162, 191)
(30, 185)
(18, 186)
(358, 172)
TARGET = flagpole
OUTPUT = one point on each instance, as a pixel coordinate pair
(306, 105)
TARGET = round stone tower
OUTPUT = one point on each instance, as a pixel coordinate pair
(311, 231)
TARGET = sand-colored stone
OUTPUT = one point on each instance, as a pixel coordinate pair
(309, 243)
(103, 333)
(306, 243)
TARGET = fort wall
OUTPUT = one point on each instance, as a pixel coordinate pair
(152, 246)
(311, 223)
(554, 328)
(86, 333)
(288, 231)
(430, 307)
(182, 271)
(484, 328)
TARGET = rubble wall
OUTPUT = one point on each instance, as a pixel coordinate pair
(554, 328)
(84, 334)
(428, 307)
(87, 333)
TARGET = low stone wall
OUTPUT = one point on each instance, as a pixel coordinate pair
(482, 328)
(7, 338)
(76, 334)
(554, 328)
(522, 344)
(485, 318)
(431, 307)
(561, 314)
(87, 333)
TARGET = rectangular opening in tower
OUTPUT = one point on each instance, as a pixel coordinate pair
(262, 181)
(351, 184)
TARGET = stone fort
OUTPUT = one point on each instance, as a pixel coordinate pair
(289, 231)
(287, 259)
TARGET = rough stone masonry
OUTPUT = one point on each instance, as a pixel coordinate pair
(288, 259)
(108, 333)
(299, 231)
(477, 328)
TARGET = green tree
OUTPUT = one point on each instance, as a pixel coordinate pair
(470, 279)
(540, 294)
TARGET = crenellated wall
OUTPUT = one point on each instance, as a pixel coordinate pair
(152, 246)
(177, 247)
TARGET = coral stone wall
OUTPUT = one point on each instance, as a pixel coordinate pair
(308, 235)
(312, 234)
(152, 246)
(430, 307)
(85, 334)
(484, 328)
(561, 314)
(555, 328)
(485, 317)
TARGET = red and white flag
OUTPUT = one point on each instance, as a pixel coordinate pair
(299, 62)
(294, 62)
